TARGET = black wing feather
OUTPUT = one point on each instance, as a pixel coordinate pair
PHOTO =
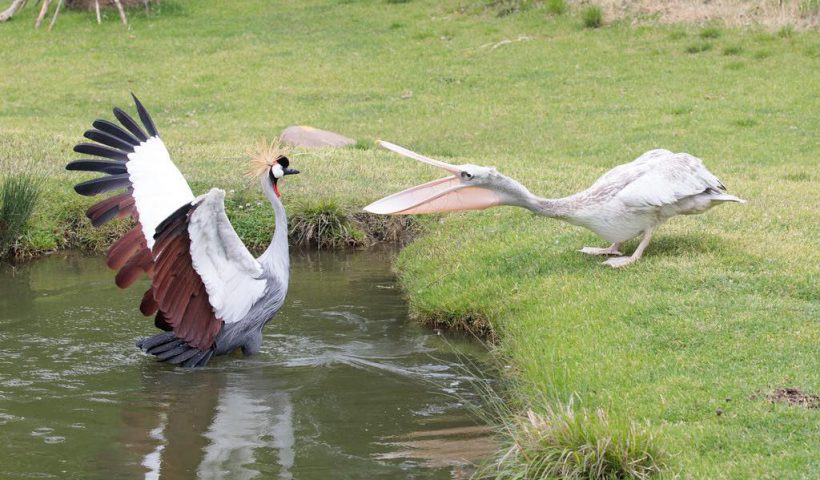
(116, 131)
(130, 124)
(109, 140)
(100, 151)
(183, 210)
(112, 167)
(103, 184)
(145, 117)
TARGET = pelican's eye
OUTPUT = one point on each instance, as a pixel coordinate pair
(466, 175)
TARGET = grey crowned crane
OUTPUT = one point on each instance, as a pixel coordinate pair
(631, 199)
(208, 293)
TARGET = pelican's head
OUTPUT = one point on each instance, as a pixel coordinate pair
(271, 161)
(470, 187)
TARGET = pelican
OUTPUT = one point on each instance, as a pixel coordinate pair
(208, 293)
(631, 199)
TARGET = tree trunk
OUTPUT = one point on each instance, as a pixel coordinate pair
(9, 12)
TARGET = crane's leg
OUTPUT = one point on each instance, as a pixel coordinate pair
(619, 262)
(613, 249)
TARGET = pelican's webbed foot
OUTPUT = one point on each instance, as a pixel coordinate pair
(618, 262)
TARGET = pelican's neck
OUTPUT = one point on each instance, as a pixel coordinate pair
(276, 260)
(551, 207)
(516, 194)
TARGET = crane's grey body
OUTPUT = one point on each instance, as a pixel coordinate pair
(247, 333)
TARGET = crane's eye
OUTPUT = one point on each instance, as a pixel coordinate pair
(466, 175)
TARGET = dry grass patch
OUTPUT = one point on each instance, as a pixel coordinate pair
(772, 14)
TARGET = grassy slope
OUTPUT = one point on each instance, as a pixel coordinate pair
(724, 304)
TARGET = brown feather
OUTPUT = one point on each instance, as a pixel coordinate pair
(127, 246)
(149, 305)
(131, 271)
(94, 211)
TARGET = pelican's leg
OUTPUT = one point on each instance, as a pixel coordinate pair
(619, 262)
(613, 249)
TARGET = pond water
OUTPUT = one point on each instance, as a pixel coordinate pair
(345, 386)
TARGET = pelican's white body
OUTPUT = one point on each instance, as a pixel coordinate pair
(629, 200)
(640, 195)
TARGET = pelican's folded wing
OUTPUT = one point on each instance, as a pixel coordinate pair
(666, 178)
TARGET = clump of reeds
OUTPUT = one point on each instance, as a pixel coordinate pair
(557, 7)
(18, 196)
(592, 16)
(561, 441)
(324, 225)
(557, 439)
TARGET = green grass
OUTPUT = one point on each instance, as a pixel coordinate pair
(324, 225)
(723, 305)
(711, 32)
(699, 47)
(556, 7)
(569, 444)
(592, 16)
(19, 192)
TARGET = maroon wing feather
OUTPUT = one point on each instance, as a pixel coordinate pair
(178, 289)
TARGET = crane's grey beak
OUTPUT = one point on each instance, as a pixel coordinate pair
(290, 171)
(447, 194)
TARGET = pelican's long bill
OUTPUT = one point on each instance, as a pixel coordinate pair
(447, 194)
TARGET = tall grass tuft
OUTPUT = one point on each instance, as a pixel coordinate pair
(19, 196)
(556, 7)
(504, 8)
(711, 32)
(558, 439)
(562, 442)
(592, 16)
(324, 225)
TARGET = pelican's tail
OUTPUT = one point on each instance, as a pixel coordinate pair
(168, 348)
(725, 197)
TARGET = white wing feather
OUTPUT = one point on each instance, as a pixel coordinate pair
(159, 188)
(665, 178)
(233, 278)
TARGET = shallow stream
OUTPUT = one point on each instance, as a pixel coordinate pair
(346, 387)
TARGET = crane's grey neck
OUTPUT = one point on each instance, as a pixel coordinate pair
(276, 260)
(516, 194)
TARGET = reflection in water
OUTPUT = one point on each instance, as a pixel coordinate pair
(345, 386)
(242, 425)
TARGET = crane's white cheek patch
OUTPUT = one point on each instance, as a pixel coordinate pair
(277, 171)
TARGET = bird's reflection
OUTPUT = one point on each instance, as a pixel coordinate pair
(242, 424)
(209, 424)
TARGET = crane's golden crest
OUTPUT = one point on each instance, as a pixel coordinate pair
(263, 156)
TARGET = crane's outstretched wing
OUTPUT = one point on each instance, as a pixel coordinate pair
(663, 178)
(187, 246)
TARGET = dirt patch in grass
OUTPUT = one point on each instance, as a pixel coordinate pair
(795, 396)
(772, 14)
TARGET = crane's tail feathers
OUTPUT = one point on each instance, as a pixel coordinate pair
(168, 348)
